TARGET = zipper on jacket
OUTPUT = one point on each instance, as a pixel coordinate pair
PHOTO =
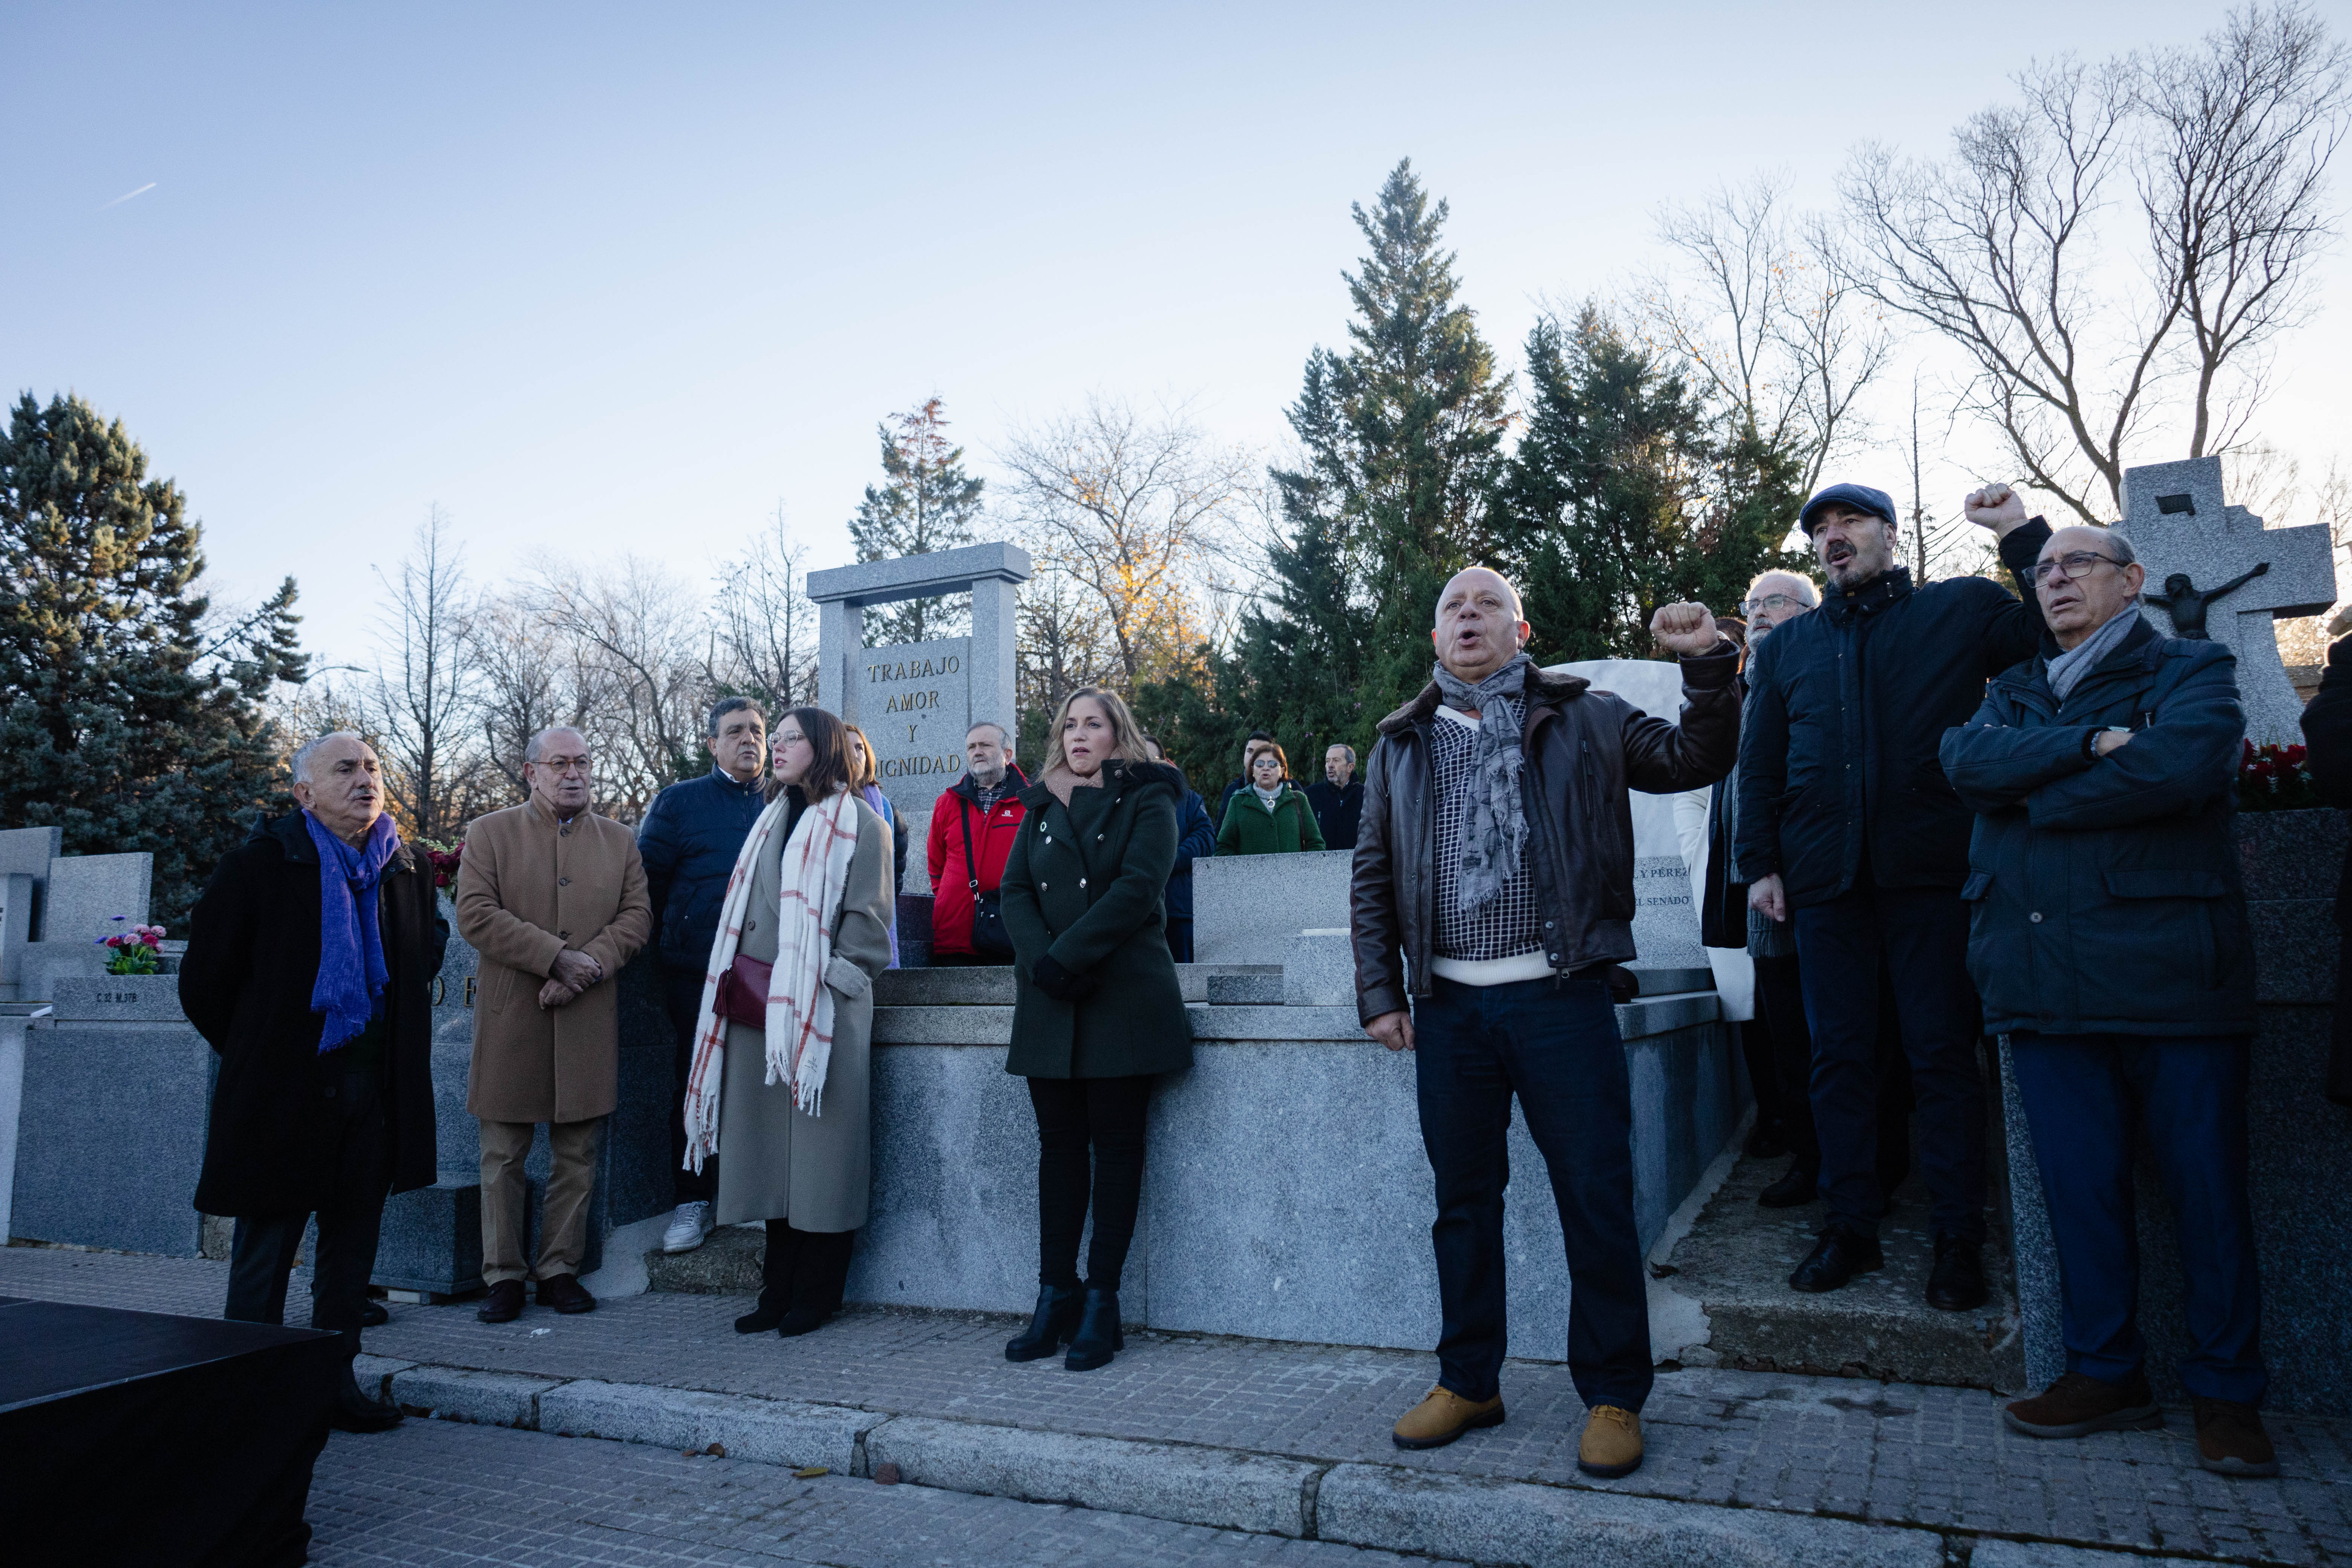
(1591, 788)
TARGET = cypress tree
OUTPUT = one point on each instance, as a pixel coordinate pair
(926, 502)
(1402, 440)
(125, 718)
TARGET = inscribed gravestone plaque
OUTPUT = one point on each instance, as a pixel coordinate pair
(2192, 542)
(914, 702)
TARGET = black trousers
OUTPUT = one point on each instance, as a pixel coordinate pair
(804, 1268)
(1179, 937)
(1781, 1009)
(262, 1252)
(1920, 936)
(682, 1000)
(1074, 1113)
(1553, 1044)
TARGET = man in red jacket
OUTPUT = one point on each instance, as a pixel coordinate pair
(985, 803)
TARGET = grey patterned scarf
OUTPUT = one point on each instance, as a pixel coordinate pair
(1494, 828)
(2066, 672)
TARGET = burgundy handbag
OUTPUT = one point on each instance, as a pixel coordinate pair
(743, 993)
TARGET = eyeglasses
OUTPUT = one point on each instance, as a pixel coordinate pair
(2073, 563)
(1775, 603)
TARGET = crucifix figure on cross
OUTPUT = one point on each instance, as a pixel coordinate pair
(2186, 604)
(2184, 532)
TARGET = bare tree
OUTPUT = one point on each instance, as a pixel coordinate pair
(1133, 511)
(529, 679)
(418, 699)
(640, 688)
(1064, 642)
(763, 628)
(1759, 308)
(2001, 250)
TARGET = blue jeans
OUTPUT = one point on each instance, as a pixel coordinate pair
(2081, 1094)
(1923, 935)
(1554, 1043)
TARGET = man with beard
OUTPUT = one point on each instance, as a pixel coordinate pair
(974, 824)
(1848, 829)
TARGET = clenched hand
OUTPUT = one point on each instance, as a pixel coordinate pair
(1394, 1030)
(1686, 628)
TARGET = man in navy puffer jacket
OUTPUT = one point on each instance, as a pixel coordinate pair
(1848, 830)
(688, 842)
(2107, 935)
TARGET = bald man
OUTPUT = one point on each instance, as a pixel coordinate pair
(1493, 890)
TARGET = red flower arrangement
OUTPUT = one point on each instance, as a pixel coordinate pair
(2275, 778)
(138, 950)
(445, 855)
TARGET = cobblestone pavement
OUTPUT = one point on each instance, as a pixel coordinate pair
(1876, 1452)
(433, 1493)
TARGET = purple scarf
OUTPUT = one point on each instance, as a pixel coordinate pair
(352, 972)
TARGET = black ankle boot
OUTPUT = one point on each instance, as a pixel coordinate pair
(778, 1265)
(1097, 1334)
(818, 1281)
(761, 1317)
(1056, 1320)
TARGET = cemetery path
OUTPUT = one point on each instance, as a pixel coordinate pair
(1907, 1466)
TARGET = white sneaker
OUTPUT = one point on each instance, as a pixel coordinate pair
(687, 1226)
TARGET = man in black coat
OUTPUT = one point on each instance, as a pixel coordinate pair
(2108, 937)
(309, 966)
(688, 843)
(1338, 800)
(1847, 826)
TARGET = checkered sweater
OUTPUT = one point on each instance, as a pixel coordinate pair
(1508, 927)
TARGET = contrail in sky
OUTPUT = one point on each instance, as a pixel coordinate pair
(128, 195)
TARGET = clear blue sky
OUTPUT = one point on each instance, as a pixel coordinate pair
(602, 280)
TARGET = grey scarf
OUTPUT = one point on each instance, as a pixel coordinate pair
(2066, 672)
(1494, 828)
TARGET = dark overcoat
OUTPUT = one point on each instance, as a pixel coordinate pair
(2104, 897)
(1084, 884)
(2328, 730)
(246, 983)
(1846, 708)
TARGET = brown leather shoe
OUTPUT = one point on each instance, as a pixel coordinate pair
(1443, 1416)
(1611, 1444)
(566, 1294)
(505, 1302)
(2231, 1440)
(2078, 1404)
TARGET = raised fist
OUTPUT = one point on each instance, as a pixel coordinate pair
(1997, 507)
(1685, 628)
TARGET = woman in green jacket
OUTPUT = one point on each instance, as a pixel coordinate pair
(1269, 817)
(1096, 1012)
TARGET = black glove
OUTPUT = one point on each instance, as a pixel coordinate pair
(1060, 984)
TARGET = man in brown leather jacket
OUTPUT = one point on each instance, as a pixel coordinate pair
(1493, 890)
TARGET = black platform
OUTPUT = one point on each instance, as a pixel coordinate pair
(139, 1438)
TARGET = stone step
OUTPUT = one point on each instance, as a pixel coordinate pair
(726, 1263)
(1736, 1262)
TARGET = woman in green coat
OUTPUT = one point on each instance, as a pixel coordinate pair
(1269, 817)
(1097, 1013)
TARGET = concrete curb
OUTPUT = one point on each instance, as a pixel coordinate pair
(1525, 1524)
(1224, 1489)
(1557, 1527)
(769, 1431)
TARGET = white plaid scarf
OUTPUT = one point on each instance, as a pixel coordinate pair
(800, 1003)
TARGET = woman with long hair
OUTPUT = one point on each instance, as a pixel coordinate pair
(1269, 817)
(781, 1074)
(868, 783)
(1097, 1013)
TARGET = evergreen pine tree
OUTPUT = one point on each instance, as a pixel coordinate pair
(1401, 435)
(926, 502)
(1628, 491)
(123, 718)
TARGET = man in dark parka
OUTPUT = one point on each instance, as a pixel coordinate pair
(2108, 934)
(297, 1131)
(1849, 833)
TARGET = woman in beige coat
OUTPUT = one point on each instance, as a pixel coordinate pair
(799, 1149)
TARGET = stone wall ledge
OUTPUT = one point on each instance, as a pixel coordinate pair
(993, 1025)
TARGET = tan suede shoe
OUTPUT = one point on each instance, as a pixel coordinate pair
(1443, 1416)
(1612, 1445)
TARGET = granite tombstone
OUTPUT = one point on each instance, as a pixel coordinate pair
(2214, 569)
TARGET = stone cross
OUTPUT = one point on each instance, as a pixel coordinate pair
(916, 700)
(2179, 525)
